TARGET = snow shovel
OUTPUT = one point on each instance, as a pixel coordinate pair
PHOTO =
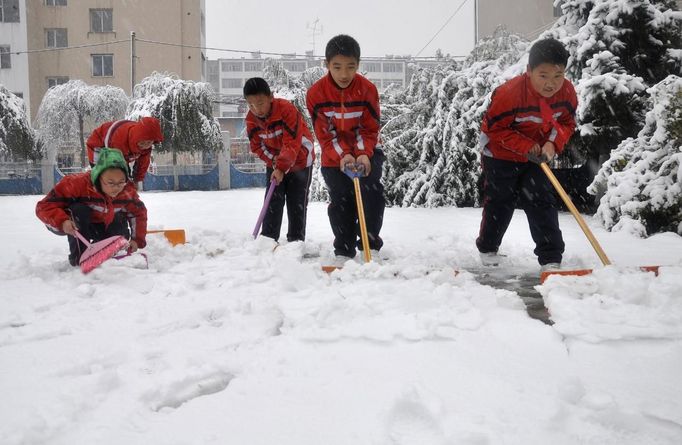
(266, 204)
(355, 174)
(581, 222)
(100, 251)
(174, 236)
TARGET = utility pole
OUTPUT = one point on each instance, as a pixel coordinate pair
(314, 31)
(132, 62)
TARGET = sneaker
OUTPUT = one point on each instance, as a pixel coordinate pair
(490, 258)
(550, 267)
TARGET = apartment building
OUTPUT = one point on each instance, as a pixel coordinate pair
(50, 42)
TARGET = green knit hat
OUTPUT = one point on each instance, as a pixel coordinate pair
(109, 158)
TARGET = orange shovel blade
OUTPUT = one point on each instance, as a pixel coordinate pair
(174, 236)
(580, 272)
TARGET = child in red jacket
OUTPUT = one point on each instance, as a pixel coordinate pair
(344, 107)
(530, 114)
(279, 136)
(133, 139)
(99, 204)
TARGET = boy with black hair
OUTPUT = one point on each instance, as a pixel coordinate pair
(100, 203)
(344, 107)
(279, 136)
(531, 114)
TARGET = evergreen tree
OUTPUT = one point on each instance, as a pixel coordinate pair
(184, 109)
(17, 139)
(642, 177)
(618, 49)
(66, 109)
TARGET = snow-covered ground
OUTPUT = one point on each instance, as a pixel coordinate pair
(223, 341)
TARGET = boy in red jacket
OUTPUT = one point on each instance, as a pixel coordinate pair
(99, 204)
(133, 139)
(279, 136)
(344, 107)
(530, 114)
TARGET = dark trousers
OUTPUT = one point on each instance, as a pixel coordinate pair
(342, 210)
(507, 184)
(293, 190)
(80, 213)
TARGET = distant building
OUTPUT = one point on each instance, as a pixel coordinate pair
(528, 18)
(104, 29)
(227, 76)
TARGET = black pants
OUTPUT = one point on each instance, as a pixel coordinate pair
(507, 183)
(80, 213)
(342, 210)
(293, 190)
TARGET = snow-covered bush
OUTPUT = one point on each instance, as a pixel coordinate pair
(184, 109)
(17, 139)
(643, 177)
(66, 109)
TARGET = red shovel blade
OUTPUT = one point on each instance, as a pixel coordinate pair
(101, 251)
(581, 272)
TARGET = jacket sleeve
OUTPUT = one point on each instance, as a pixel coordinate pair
(497, 122)
(291, 138)
(142, 165)
(565, 126)
(94, 141)
(255, 143)
(137, 216)
(51, 210)
(324, 130)
(369, 126)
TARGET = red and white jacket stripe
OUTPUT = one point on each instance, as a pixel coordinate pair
(346, 121)
(283, 134)
(518, 118)
(79, 188)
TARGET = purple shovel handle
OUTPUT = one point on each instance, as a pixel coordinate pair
(266, 204)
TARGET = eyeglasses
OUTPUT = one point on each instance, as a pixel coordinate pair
(115, 184)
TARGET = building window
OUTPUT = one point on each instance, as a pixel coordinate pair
(253, 67)
(101, 20)
(391, 67)
(230, 66)
(55, 2)
(102, 65)
(370, 67)
(9, 11)
(57, 80)
(5, 57)
(557, 8)
(56, 38)
(231, 83)
(294, 66)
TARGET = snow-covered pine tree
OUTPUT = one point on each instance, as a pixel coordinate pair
(643, 177)
(67, 108)
(184, 109)
(17, 138)
(294, 87)
(431, 128)
(618, 49)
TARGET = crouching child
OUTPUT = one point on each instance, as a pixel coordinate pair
(99, 204)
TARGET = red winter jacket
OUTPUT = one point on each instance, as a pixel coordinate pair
(283, 134)
(125, 137)
(515, 120)
(79, 188)
(346, 121)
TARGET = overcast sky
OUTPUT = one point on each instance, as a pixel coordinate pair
(381, 27)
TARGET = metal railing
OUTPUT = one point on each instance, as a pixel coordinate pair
(16, 170)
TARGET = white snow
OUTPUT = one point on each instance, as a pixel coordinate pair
(223, 340)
